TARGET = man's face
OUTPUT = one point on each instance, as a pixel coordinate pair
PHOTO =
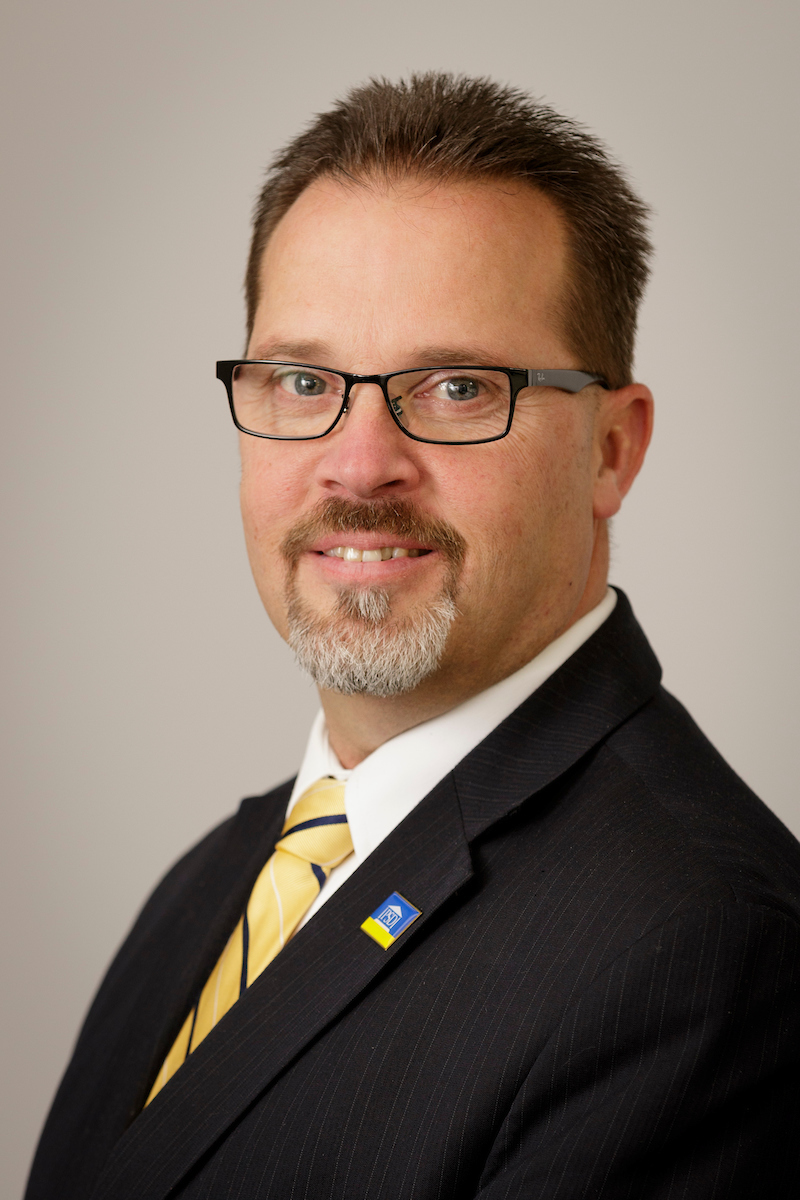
(370, 279)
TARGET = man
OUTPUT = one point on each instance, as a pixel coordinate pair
(515, 929)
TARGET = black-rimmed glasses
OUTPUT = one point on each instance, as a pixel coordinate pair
(450, 406)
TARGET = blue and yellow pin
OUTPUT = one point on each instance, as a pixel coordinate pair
(390, 919)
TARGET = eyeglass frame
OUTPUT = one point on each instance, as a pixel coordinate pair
(519, 378)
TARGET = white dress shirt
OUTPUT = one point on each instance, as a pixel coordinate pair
(384, 788)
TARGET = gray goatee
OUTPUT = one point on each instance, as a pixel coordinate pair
(360, 648)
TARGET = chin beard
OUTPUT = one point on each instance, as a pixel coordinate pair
(360, 650)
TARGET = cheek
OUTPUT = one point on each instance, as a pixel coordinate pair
(527, 504)
(271, 497)
(257, 505)
(540, 481)
(554, 470)
(259, 525)
(272, 490)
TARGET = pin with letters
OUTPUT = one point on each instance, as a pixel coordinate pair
(390, 919)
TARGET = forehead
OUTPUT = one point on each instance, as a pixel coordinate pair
(382, 265)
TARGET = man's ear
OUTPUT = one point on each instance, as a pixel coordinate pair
(623, 426)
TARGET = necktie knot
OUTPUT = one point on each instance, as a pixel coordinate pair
(316, 830)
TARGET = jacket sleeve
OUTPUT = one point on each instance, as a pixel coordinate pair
(675, 1074)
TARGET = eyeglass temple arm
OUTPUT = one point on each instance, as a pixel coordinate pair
(567, 381)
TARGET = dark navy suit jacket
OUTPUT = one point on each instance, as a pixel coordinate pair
(600, 999)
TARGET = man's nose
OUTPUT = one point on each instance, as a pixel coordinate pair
(366, 455)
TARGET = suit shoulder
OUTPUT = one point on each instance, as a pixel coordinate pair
(188, 871)
(180, 875)
(715, 815)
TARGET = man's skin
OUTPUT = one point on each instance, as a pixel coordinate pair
(380, 276)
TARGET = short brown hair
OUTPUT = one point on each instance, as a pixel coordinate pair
(447, 127)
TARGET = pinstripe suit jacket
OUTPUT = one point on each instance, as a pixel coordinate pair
(601, 998)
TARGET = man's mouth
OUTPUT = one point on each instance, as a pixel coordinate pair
(379, 554)
(372, 533)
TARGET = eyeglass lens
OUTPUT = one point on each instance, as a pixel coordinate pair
(446, 404)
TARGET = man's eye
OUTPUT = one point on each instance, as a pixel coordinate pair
(303, 383)
(459, 388)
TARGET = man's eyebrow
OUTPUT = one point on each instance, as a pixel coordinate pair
(319, 354)
(314, 353)
(456, 356)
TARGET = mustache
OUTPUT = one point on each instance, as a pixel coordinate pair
(393, 517)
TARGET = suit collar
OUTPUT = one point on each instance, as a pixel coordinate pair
(603, 684)
(331, 961)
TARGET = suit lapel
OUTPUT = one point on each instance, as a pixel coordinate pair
(193, 936)
(603, 684)
(331, 961)
(307, 986)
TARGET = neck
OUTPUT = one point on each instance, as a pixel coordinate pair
(358, 725)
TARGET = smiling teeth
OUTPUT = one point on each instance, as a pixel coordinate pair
(351, 554)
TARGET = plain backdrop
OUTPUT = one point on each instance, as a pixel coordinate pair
(145, 691)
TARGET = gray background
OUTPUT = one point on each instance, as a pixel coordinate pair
(145, 690)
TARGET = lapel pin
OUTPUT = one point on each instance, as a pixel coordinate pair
(390, 919)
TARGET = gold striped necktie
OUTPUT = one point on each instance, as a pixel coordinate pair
(315, 839)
